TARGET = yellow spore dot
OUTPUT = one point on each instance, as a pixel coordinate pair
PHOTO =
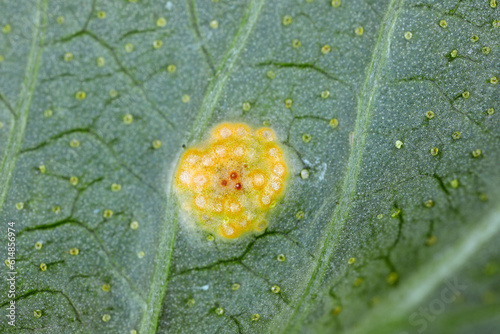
(171, 68)
(73, 180)
(431, 240)
(214, 24)
(156, 144)
(359, 31)
(429, 203)
(48, 113)
(116, 187)
(229, 183)
(68, 56)
(161, 22)
(157, 44)
(287, 20)
(129, 47)
(476, 153)
(334, 123)
(246, 106)
(392, 278)
(128, 119)
(6, 29)
(100, 61)
(408, 35)
(80, 95)
(74, 251)
(326, 49)
(107, 214)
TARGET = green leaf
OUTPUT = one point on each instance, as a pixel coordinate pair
(391, 220)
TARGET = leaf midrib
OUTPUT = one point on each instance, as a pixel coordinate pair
(290, 321)
(214, 90)
(20, 117)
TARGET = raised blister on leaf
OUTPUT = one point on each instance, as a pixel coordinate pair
(228, 184)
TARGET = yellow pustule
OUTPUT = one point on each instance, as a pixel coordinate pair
(229, 183)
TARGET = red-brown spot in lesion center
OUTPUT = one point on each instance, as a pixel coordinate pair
(234, 175)
(224, 183)
(237, 186)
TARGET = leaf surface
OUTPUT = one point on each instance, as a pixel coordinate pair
(389, 114)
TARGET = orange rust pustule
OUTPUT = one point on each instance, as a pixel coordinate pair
(231, 181)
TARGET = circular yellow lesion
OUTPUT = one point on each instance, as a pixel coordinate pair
(229, 183)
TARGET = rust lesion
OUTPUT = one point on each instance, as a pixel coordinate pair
(230, 182)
